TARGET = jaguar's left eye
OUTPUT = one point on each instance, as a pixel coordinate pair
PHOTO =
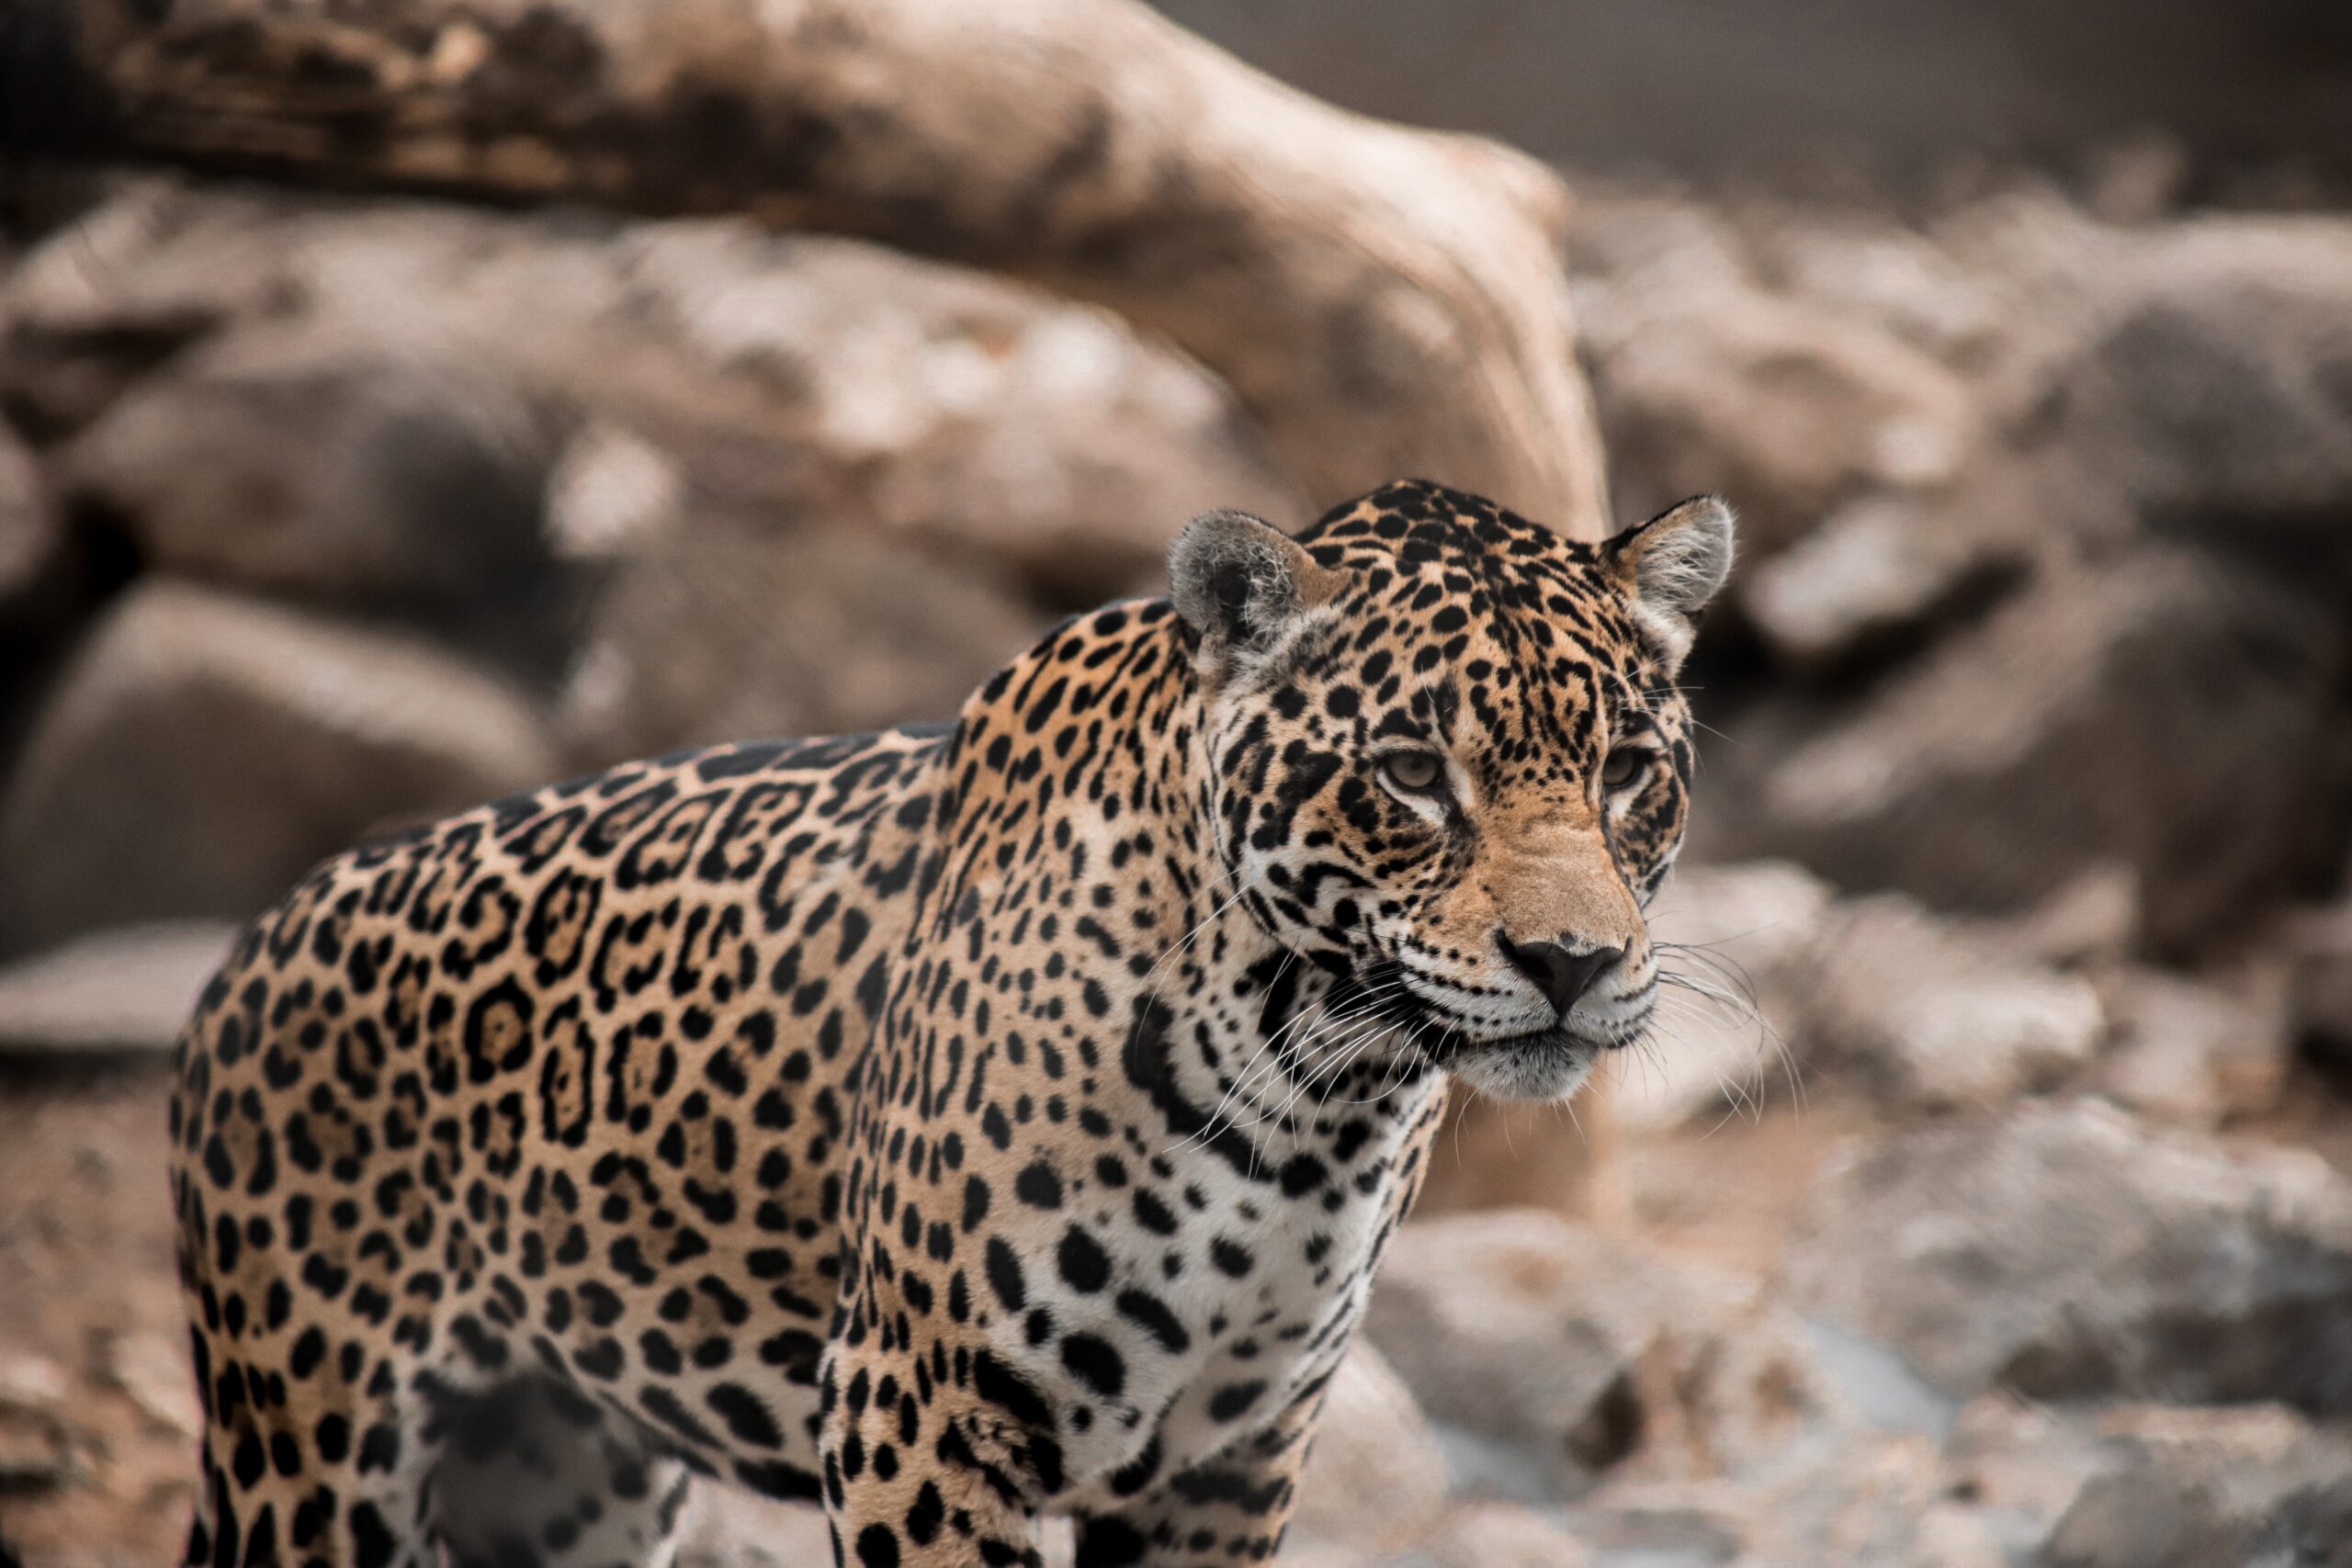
(1624, 767)
(1415, 773)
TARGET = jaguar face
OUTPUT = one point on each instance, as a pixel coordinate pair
(1450, 763)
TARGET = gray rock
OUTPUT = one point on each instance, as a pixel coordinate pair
(1377, 1478)
(2319, 989)
(118, 991)
(30, 536)
(729, 630)
(308, 467)
(1933, 1015)
(2246, 1488)
(2194, 1052)
(800, 376)
(1708, 379)
(2217, 393)
(1878, 572)
(1590, 1351)
(2067, 1252)
(2020, 1465)
(203, 750)
(1501, 1535)
(2102, 717)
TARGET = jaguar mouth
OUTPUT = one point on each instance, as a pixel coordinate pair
(1445, 1043)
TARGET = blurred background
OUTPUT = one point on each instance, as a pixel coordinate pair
(2000, 1211)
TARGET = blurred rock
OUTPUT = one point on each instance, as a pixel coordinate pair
(1937, 1016)
(2257, 1487)
(30, 536)
(1528, 1329)
(733, 631)
(154, 1373)
(1675, 1526)
(2021, 1466)
(1377, 1478)
(726, 1526)
(1877, 573)
(2319, 944)
(1791, 408)
(2192, 1052)
(38, 1447)
(2169, 714)
(344, 476)
(1742, 942)
(967, 411)
(130, 283)
(1499, 1535)
(797, 374)
(204, 749)
(1874, 1500)
(2217, 394)
(2092, 918)
(2066, 1252)
(125, 990)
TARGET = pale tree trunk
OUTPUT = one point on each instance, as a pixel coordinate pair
(1385, 301)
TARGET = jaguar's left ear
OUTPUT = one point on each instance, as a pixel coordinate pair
(1671, 566)
(1239, 583)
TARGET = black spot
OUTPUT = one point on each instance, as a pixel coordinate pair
(1083, 1263)
(877, 1547)
(1092, 1361)
(1109, 1542)
(1149, 1313)
(1004, 1275)
(927, 1514)
(1039, 1186)
(1234, 1400)
(1000, 1385)
(746, 1415)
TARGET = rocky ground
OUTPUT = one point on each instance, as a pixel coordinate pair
(1997, 1208)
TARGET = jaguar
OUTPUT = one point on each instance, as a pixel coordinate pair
(948, 1127)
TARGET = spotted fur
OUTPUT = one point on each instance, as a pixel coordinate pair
(945, 1127)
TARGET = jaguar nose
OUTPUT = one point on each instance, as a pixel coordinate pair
(1562, 976)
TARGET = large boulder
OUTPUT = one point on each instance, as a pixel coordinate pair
(2168, 712)
(323, 472)
(2064, 1251)
(29, 533)
(2255, 1487)
(1586, 1350)
(1708, 374)
(1377, 1478)
(732, 629)
(801, 374)
(2216, 393)
(1778, 989)
(116, 992)
(2199, 1053)
(1934, 1014)
(203, 749)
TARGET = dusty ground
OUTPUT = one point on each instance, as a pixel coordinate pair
(97, 1412)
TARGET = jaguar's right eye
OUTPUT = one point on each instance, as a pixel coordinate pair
(1415, 772)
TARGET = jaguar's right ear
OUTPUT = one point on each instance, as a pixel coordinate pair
(1238, 581)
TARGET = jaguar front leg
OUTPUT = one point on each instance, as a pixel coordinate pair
(934, 1462)
(1230, 1508)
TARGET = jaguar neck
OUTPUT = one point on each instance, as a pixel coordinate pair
(1079, 794)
